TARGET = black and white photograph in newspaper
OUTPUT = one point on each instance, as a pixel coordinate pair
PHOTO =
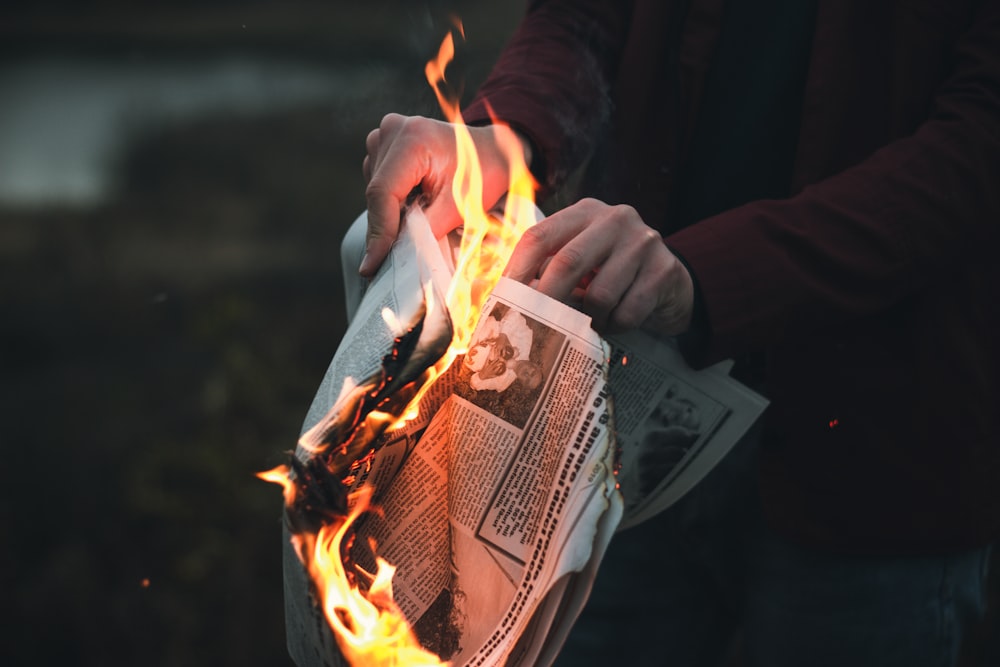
(508, 363)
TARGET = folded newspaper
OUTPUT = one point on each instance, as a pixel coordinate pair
(499, 499)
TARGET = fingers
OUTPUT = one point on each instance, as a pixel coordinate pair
(675, 305)
(392, 180)
(626, 290)
(544, 245)
(580, 247)
(371, 148)
(607, 262)
(372, 140)
(605, 293)
(403, 153)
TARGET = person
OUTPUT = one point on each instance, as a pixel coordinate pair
(528, 373)
(501, 340)
(487, 359)
(808, 188)
(499, 374)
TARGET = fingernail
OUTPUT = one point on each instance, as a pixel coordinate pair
(364, 268)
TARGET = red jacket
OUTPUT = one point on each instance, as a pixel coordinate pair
(874, 290)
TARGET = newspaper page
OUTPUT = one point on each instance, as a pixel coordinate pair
(527, 494)
(500, 495)
(400, 286)
(500, 499)
(673, 423)
(504, 493)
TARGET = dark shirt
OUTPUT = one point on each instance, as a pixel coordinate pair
(743, 142)
(872, 288)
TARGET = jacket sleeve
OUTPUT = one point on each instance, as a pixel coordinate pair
(865, 239)
(552, 81)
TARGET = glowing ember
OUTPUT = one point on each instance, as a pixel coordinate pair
(358, 605)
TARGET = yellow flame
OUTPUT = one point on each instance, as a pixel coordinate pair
(279, 475)
(370, 630)
(369, 627)
(487, 242)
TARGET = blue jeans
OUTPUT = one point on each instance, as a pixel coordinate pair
(707, 580)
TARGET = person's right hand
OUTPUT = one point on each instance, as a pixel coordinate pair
(607, 262)
(405, 152)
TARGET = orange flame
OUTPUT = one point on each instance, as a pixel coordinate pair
(279, 475)
(369, 627)
(369, 630)
(487, 242)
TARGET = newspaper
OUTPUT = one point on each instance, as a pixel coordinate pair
(499, 499)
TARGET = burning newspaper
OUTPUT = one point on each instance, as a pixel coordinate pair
(498, 496)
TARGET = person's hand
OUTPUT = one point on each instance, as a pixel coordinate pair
(609, 263)
(406, 152)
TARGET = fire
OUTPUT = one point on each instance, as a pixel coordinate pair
(368, 626)
(486, 242)
(279, 475)
(370, 629)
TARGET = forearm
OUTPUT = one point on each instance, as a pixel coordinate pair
(861, 241)
(552, 80)
(866, 239)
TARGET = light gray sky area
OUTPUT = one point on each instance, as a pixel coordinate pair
(63, 121)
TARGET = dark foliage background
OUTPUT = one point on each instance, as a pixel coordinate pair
(162, 344)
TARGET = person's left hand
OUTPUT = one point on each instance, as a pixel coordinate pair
(608, 262)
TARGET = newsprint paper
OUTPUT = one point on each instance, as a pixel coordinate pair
(500, 498)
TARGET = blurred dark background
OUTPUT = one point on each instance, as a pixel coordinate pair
(175, 178)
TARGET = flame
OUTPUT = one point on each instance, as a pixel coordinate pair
(279, 475)
(369, 627)
(370, 630)
(487, 242)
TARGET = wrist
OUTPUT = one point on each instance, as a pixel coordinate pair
(500, 148)
(526, 147)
